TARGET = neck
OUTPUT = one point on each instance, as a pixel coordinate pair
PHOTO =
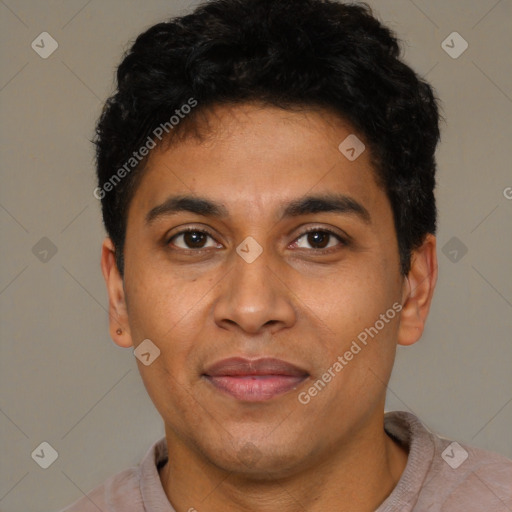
(357, 477)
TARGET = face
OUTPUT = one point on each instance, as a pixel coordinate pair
(255, 260)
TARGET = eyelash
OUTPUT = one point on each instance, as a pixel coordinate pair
(343, 241)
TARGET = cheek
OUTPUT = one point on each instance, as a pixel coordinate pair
(353, 300)
(360, 311)
(172, 313)
(357, 366)
(161, 304)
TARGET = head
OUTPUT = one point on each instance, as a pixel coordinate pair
(238, 121)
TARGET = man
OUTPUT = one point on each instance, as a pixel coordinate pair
(266, 171)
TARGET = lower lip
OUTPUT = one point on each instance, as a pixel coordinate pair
(255, 388)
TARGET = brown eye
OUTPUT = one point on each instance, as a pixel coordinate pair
(193, 239)
(318, 239)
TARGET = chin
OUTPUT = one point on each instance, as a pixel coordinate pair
(261, 462)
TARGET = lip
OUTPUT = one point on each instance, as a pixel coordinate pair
(254, 380)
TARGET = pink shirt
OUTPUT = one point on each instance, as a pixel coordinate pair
(440, 476)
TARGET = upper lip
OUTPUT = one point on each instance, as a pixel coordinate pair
(240, 366)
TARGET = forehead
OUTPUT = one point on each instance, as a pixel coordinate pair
(253, 159)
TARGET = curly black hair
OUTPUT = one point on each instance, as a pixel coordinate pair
(283, 53)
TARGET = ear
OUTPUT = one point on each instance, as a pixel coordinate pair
(417, 292)
(118, 313)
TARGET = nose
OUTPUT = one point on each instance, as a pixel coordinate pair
(253, 297)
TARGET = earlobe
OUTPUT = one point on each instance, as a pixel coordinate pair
(418, 291)
(118, 314)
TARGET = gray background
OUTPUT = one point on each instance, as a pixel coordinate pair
(63, 380)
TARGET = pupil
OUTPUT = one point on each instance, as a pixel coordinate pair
(194, 239)
(318, 238)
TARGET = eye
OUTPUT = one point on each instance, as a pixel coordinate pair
(191, 239)
(318, 239)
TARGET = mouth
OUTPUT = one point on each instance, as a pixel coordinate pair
(255, 380)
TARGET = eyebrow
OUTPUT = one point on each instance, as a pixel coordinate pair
(192, 204)
(326, 203)
(330, 203)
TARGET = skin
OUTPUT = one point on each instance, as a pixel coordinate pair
(294, 302)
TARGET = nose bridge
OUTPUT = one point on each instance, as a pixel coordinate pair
(251, 295)
(252, 280)
(252, 285)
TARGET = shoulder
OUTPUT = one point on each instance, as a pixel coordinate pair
(472, 478)
(447, 475)
(119, 492)
(136, 489)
